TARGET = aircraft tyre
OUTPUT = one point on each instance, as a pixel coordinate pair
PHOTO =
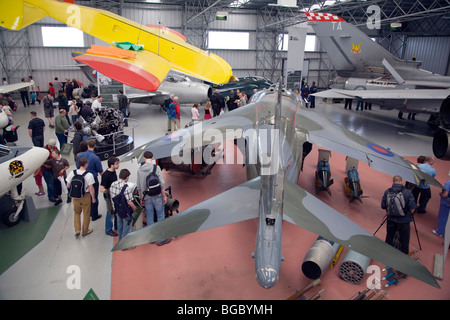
(433, 120)
(7, 211)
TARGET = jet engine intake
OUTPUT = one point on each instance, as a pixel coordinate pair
(444, 113)
(441, 144)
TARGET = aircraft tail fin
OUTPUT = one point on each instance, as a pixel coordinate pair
(350, 49)
(88, 71)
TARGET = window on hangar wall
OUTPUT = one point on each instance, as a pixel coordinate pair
(62, 37)
(310, 43)
(228, 40)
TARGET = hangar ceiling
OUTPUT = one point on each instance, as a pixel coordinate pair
(423, 16)
(418, 18)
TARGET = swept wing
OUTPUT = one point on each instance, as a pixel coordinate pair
(298, 206)
(15, 86)
(328, 135)
(308, 212)
(386, 94)
(214, 212)
(198, 135)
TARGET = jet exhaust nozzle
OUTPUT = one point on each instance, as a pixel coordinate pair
(441, 144)
(318, 258)
(441, 138)
(444, 113)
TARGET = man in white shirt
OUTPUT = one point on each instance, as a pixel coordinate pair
(83, 203)
(97, 103)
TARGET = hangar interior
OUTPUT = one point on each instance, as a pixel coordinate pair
(185, 269)
(424, 33)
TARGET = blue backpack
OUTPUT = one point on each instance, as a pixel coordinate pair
(171, 113)
(121, 206)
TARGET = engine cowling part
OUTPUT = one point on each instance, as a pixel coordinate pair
(444, 113)
(441, 144)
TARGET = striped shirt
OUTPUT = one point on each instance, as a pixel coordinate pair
(117, 186)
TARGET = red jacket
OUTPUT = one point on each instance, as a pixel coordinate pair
(177, 110)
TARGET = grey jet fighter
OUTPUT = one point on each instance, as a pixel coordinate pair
(271, 130)
(366, 71)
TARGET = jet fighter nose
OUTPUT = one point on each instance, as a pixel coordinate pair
(267, 277)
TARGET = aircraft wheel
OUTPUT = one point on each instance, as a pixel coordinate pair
(433, 121)
(8, 218)
(7, 212)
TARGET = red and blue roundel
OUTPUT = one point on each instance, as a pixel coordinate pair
(379, 149)
(175, 136)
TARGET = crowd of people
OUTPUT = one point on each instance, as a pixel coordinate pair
(215, 106)
(112, 183)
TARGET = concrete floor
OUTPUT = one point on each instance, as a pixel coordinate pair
(216, 263)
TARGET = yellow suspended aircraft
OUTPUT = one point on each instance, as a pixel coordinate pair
(151, 51)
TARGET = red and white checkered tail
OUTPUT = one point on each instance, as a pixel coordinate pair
(318, 16)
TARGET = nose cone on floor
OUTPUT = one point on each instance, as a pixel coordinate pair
(267, 277)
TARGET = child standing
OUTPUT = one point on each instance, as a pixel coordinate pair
(194, 112)
(38, 179)
(73, 111)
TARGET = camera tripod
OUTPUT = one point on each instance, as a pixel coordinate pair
(396, 234)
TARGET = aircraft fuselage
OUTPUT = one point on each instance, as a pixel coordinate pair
(276, 162)
(430, 105)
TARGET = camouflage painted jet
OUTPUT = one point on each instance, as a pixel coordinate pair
(271, 131)
(368, 72)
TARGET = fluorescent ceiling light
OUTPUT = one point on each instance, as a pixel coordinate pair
(238, 3)
(285, 3)
(318, 7)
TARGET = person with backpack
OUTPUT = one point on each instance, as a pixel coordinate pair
(80, 184)
(108, 177)
(400, 205)
(48, 109)
(77, 138)
(58, 165)
(121, 193)
(150, 185)
(165, 107)
(94, 167)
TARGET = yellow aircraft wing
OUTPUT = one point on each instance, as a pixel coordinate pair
(162, 50)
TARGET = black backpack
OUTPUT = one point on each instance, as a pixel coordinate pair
(395, 203)
(76, 189)
(121, 206)
(48, 103)
(152, 183)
